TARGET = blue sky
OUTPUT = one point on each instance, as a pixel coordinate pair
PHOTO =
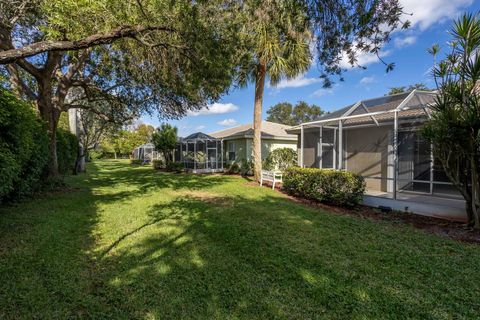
(431, 21)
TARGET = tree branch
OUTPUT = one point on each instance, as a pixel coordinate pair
(12, 55)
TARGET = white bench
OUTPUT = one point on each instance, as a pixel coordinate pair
(271, 176)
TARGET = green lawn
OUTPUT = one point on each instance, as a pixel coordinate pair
(133, 243)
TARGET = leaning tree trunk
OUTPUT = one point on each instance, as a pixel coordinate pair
(51, 116)
(257, 120)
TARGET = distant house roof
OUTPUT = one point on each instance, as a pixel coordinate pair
(270, 130)
(197, 137)
(377, 109)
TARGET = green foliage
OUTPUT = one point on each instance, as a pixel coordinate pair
(174, 167)
(246, 167)
(122, 142)
(351, 28)
(340, 188)
(165, 141)
(184, 65)
(67, 150)
(454, 129)
(281, 159)
(416, 86)
(158, 164)
(97, 154)
(285, 113)
(23, 148)
(232, 168)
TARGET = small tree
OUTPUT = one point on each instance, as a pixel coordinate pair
(165, 141)
(454, 129)
(417, 86)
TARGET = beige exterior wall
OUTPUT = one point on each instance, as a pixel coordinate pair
(269, 145)
(244, 147)
(239, 147)
(367, 154)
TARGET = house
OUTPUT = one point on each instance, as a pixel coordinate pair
(379, 139)
(200, 153)
(238, 141)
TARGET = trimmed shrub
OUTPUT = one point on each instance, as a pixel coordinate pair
(174, 167)
(23, 148)
(158, 164)
(280, 159)
(325, 185)
(67, 150)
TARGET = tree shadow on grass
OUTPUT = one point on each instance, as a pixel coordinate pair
(208, 255)
(268, 258)
(143, 179)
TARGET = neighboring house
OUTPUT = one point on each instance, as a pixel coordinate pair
(238, 141)
(379, 139)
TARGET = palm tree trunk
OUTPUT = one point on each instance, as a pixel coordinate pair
(257, 120)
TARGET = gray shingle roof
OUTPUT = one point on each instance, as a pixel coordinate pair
(270, 130)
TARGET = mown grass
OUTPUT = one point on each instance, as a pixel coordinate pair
(133, 243)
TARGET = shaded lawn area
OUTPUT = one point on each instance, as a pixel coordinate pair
(134, 243)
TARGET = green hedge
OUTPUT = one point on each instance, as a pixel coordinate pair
(67, 150)
(324, 185)
(158, 164)
(280, 159)
(23, 148)
(175, 167)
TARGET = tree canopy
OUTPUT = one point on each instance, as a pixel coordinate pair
(152, 56)
(286, 113)
(418, 86)
(122, 142)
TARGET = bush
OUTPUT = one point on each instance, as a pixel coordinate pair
(331, 186)
(174, 167)
(136, 162)
(96, 154)
(232, 168)
(246, 169)
(67, 150)
(281, 159)
(23, 148)
(158, 164)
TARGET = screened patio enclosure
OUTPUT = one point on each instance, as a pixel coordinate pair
(146, 153)
(201, 153)
(378, 139)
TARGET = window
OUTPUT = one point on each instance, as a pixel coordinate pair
(231, 150)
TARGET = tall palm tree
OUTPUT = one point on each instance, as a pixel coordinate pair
(278, 37)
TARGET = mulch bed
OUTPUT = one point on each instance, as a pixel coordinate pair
(445, 228)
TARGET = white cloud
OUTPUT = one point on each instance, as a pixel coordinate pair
(363, 59)
(367, 80)
(403, 42)
(201, 127)
(297, 82)
(227, 122)
(322, 92)
(216, 108)
(427, 12)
